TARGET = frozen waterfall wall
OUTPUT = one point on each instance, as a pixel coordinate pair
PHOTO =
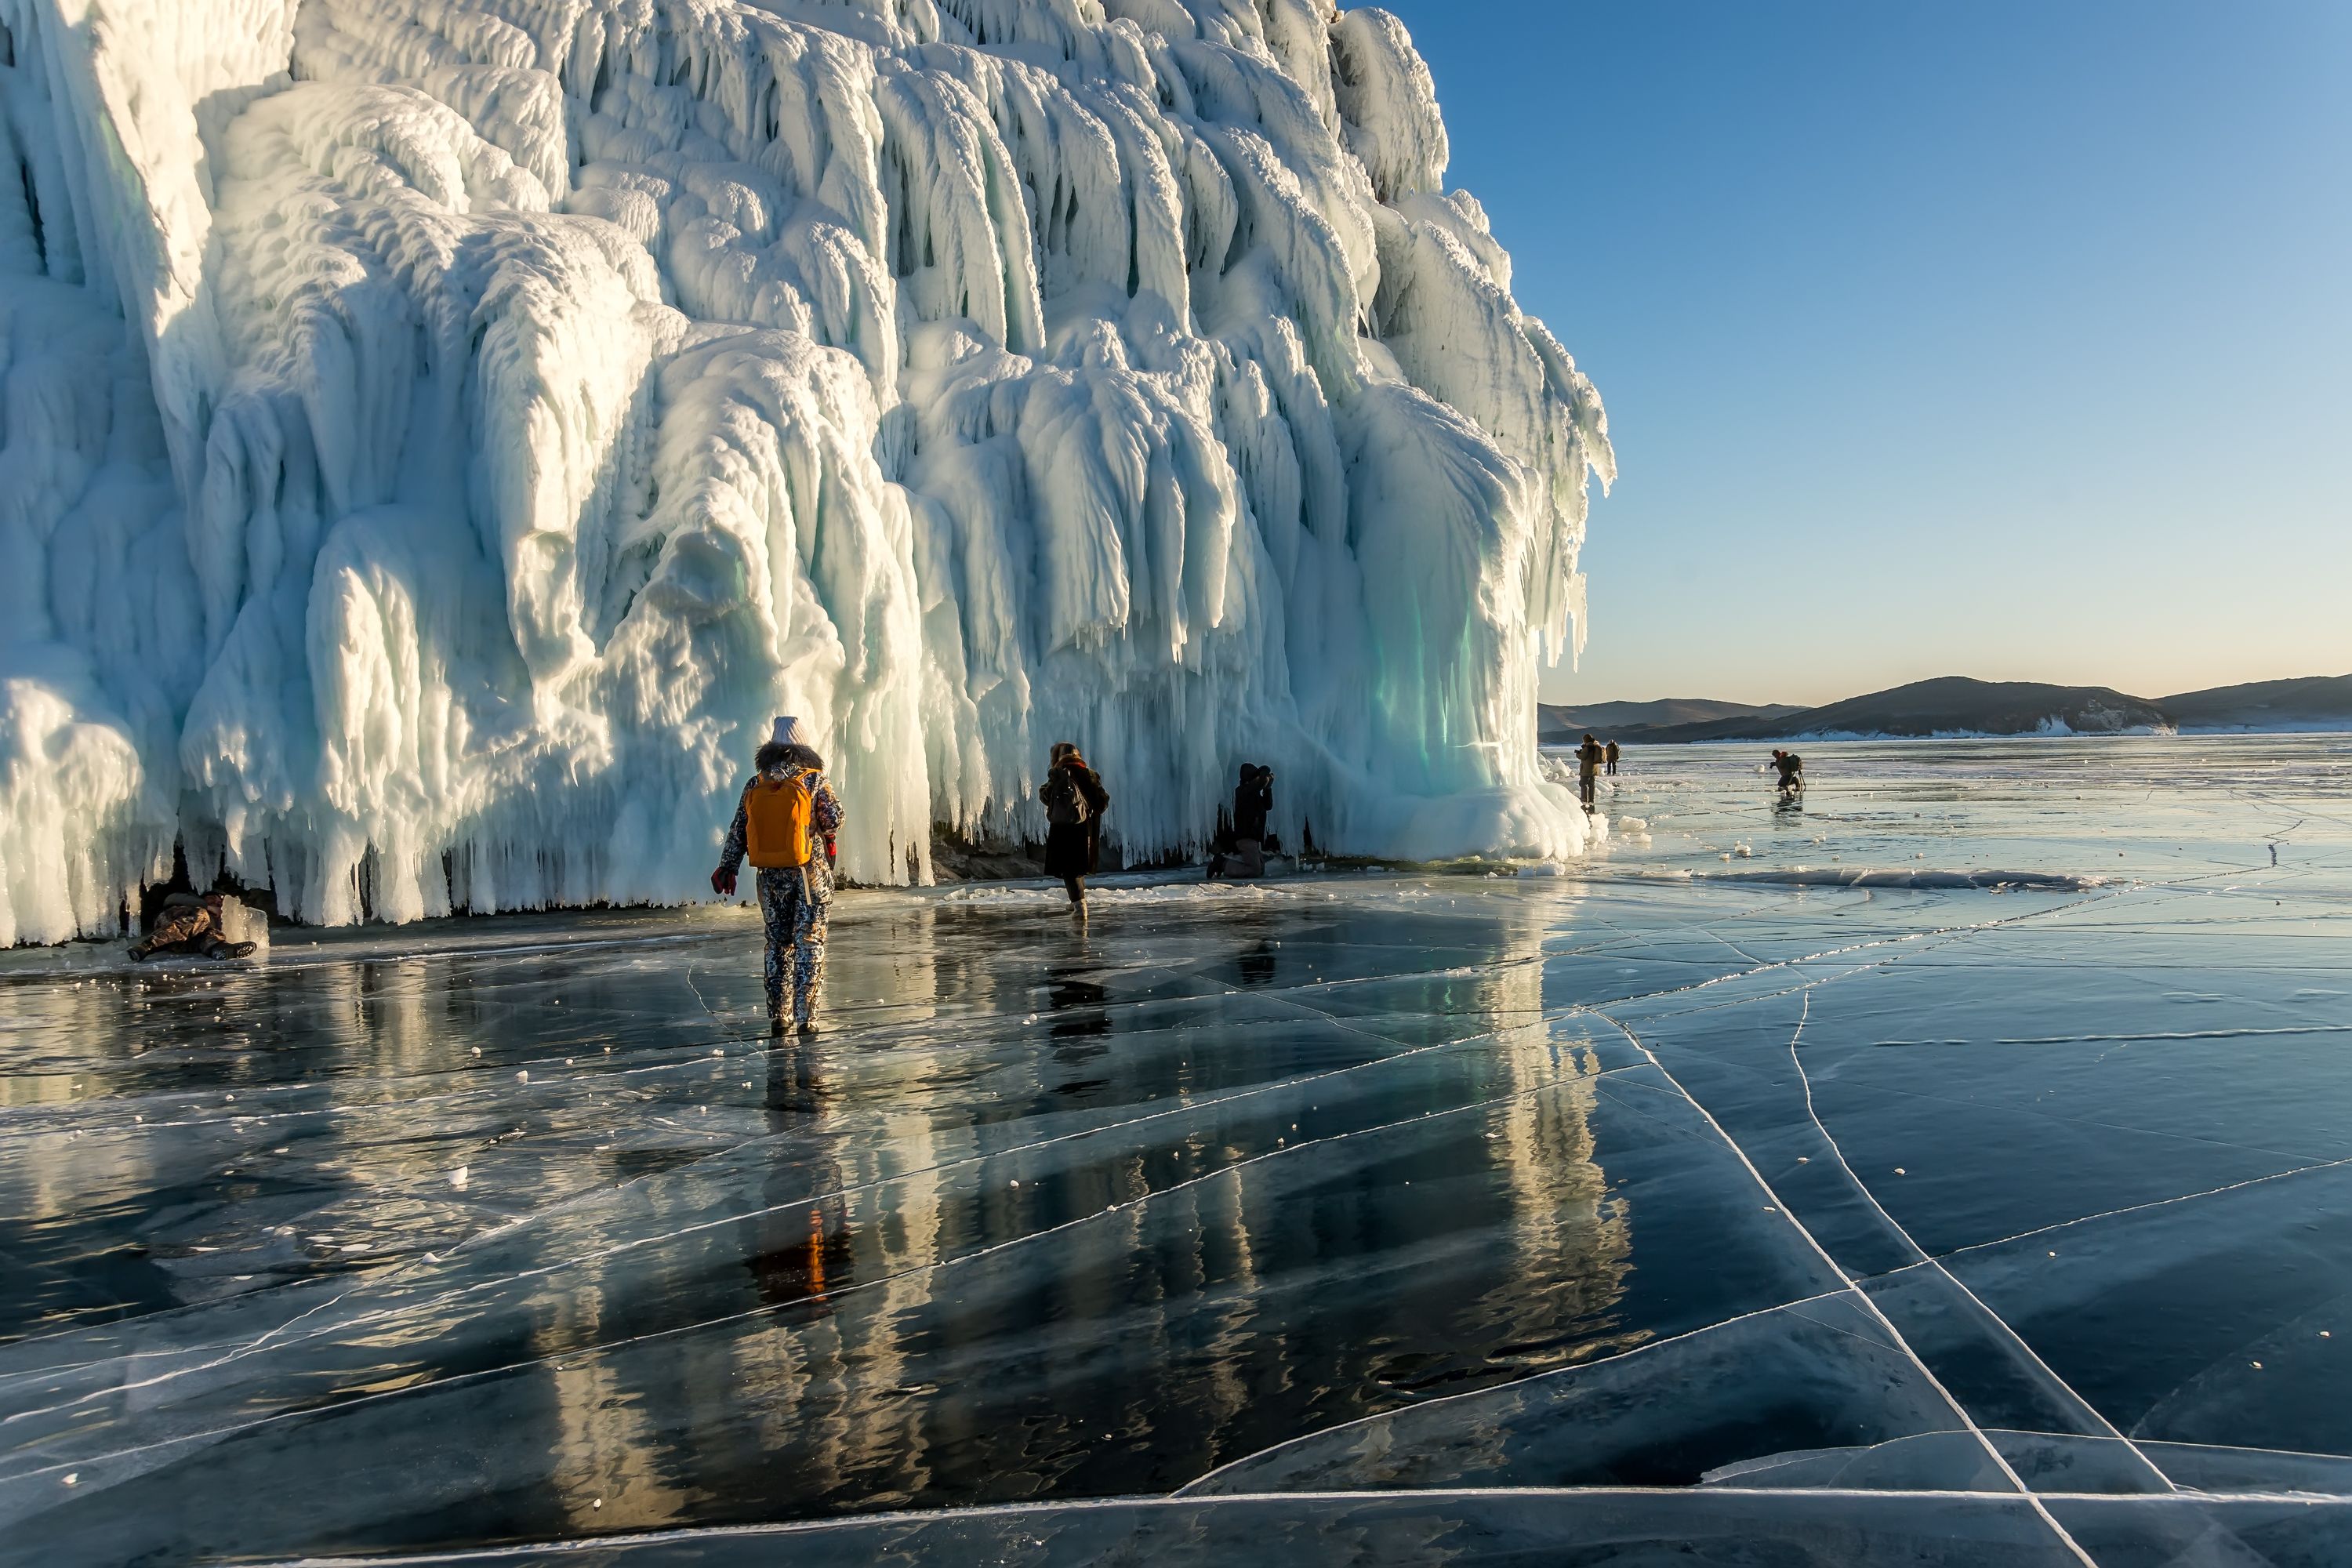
(436, 435)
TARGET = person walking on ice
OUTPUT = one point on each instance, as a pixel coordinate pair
(1587, 769)
(785, 826)
(1074, 800)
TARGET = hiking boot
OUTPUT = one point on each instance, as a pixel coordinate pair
(228, 950)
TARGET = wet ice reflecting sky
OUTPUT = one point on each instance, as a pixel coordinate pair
(1685, 1173)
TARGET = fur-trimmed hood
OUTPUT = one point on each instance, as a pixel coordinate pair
(783, 756)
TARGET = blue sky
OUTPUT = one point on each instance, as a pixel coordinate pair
(2010, 339)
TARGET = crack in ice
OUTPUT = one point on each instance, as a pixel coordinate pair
(1992, 1452)
(1812, 1112)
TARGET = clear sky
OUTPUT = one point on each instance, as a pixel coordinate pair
(2010, 339)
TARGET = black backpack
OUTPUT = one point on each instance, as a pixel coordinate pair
(1066, 805)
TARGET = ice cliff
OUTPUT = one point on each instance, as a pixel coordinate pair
(437, 435)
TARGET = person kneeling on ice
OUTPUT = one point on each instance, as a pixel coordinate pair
(1075, 801)
(785, 824)
(1792, 771)
(190, 925)
(1253, 804)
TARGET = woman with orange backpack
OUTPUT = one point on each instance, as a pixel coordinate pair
(784, 825)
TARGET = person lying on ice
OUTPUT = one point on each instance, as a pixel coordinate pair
(190, 925)
(784, 825)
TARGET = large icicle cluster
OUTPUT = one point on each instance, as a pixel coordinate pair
(437, 434)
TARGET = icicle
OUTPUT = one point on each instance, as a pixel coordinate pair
(439, 439)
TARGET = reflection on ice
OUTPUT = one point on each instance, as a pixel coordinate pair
(1932, 1224)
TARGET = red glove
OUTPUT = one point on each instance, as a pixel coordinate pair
(724, 884)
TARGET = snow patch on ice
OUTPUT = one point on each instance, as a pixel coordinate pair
(1857, 876)
(2047, 729)
(1027, 895)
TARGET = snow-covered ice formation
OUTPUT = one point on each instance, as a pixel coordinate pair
(437, 434)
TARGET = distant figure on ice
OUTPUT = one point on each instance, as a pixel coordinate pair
(1609, 752)
(784, 825)
(1075, 801)
(1792, 772)
(1253, 804)
(1589, 758)
(190, 925)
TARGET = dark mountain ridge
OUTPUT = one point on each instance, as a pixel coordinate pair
(1573, 719)
(1958, 705)
(2314, 702)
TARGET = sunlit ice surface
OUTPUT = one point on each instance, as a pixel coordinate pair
(1954, 1166)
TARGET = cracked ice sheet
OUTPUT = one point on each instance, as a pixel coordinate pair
(1992, 1139)
(1365, 1144)
(1282, 1186)
(2218, 1321)
(1031, 1344)
(1590, 1529)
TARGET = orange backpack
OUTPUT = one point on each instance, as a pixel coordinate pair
(776, 821)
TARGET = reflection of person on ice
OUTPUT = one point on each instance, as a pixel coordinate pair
(190, 925)
(784, 826)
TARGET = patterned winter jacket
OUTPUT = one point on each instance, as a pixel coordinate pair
(825, 820)
(182, 925)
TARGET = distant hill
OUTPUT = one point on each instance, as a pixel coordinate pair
(1633, 721)
(1956, 705)
(2315, 702)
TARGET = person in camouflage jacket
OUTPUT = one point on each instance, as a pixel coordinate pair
(794, 902)
(190, 925)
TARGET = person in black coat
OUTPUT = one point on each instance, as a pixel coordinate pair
(1244, 852)
(1253, 803)
(1074, 800)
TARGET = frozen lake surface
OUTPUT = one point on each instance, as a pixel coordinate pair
(1998, 1209)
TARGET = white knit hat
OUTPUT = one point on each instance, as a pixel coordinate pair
(790, 733)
